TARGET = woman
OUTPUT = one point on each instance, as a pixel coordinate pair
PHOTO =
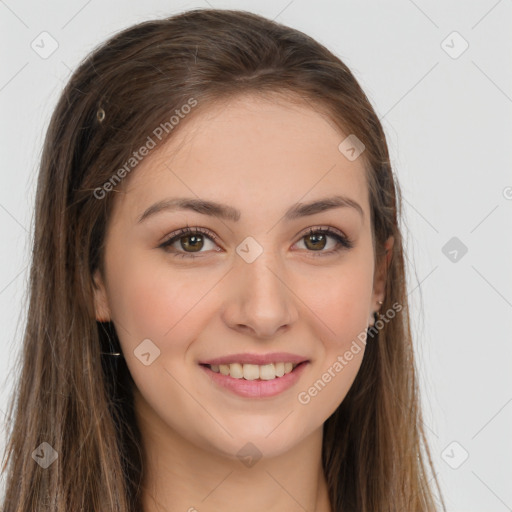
(218, 311)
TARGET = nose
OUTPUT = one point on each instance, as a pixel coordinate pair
(261, 302)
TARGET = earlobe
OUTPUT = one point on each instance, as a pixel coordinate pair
(100, 298)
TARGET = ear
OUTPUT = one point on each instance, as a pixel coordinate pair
(100, 298)
(380, 279)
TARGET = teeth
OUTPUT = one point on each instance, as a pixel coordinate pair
(236, 370)
(249, 371)
(253, 371)
(266, 371)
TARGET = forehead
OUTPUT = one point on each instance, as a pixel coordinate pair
(249, 151)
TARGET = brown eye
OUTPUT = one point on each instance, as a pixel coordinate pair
(187, 241)
(192, 242)
(315, 241)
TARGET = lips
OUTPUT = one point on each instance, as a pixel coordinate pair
(258, 388)
(259, 359)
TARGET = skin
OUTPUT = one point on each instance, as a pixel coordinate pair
(260, 157)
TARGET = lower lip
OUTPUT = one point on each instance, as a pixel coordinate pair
(257, 388)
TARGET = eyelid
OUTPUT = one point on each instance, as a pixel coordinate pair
(329, 229)
(343, 241)
(187, 230)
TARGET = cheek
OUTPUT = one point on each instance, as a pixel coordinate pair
(345, 303)
(340, 320)
(341, 299)
(141, 299)
(150, 299)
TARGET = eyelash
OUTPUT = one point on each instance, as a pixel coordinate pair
(344, 243)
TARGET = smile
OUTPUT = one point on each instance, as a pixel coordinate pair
(255, 381)
(254, 371)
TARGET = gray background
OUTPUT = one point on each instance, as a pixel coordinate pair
(446, 113)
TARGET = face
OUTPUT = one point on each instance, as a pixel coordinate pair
(262, 276)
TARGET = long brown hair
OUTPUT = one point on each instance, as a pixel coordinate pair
(375, 454)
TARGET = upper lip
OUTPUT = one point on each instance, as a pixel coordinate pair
(259, 359)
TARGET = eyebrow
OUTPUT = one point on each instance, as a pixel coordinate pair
(227, 212)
